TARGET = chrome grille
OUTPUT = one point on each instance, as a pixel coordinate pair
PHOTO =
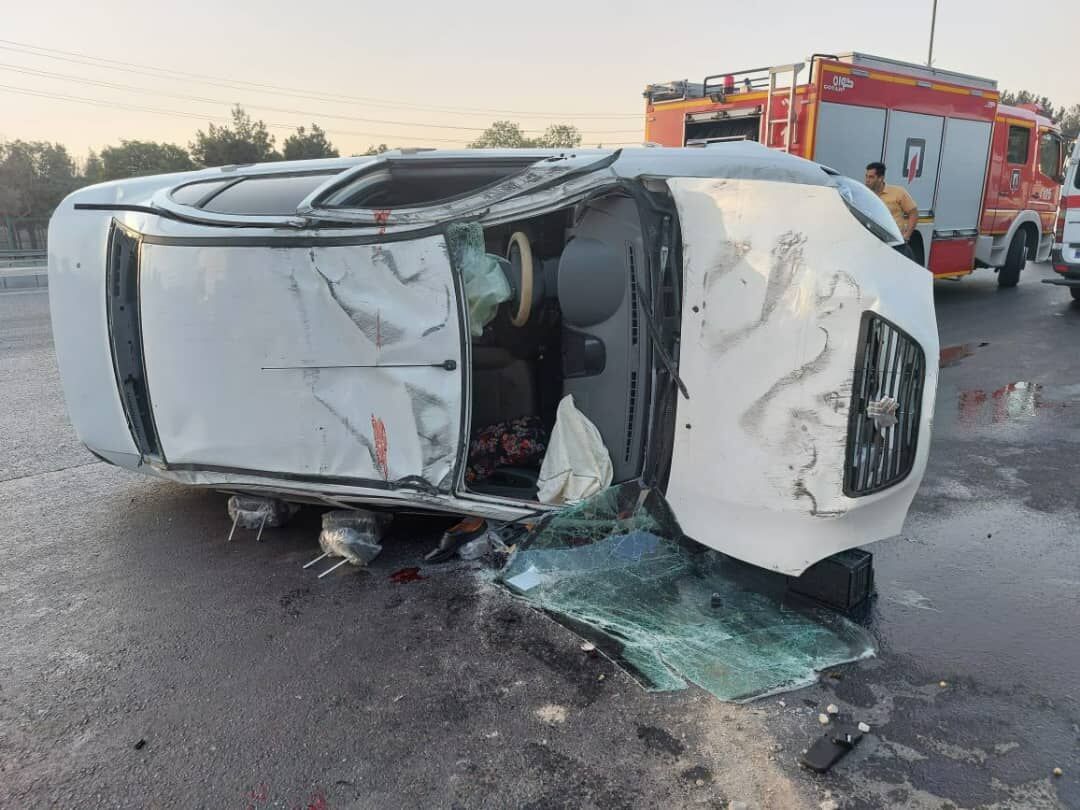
(886, 403)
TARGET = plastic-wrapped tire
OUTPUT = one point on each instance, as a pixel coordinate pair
(1015, 259)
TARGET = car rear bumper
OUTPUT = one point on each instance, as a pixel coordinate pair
(1068, 271)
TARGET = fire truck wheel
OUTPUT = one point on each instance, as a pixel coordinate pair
(1009, 274)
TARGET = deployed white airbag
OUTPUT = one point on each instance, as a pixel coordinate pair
(577, 463)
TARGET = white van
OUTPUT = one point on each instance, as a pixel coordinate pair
(1066, 254)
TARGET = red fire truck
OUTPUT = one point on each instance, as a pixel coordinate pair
(986, 176)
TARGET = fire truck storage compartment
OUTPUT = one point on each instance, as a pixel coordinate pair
(702, 128)
(849, 137)
(963, 175)
(912, 152)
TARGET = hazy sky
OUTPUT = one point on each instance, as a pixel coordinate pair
(408, 66)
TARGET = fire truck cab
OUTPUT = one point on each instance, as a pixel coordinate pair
(986, 177)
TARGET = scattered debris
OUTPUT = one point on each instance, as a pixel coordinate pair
(406, 575)
(1058, 772)
(823, 719)
(831, 747)
(552, 714)
(699, 774)
(832, 709)
(864, 728)
(351, 534)
(942, 684)
(142, 744)
(476, 548)
(716, 600)
(912, 599)
(252, 513)
(952, 355)
(399, 698)
(455, 538)
(589, 649)
(524, 582)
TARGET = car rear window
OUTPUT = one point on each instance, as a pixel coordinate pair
(265, 196)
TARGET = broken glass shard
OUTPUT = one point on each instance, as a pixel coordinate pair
(617, 568)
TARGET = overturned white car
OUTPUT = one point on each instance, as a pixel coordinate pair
(734, 321)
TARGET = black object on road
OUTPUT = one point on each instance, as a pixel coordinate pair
(831, 747)
(843, 581)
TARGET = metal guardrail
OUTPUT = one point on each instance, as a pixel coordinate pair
(23, 258)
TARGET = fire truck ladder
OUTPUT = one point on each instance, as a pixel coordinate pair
(793, 69)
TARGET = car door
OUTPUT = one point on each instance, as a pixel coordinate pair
(331, 353)
(317, 357)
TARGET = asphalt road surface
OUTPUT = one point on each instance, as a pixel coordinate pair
(145, 662)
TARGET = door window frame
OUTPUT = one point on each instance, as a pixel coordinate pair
(1009, 144)
(1057, 176)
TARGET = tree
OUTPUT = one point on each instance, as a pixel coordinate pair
(34, 177)
(246, 141)
(560, 136)
(138, 158)
(308, 145)
(1016, 98)
(501, 135)
(376, 150)
(1069, 120)
(93, 170)
(508, 135)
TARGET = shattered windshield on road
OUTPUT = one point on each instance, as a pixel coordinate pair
(617, 569)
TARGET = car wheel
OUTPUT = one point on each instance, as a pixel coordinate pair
(1015, 259)
(1075, 293)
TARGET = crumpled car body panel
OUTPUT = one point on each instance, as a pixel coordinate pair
(777, 278)
(325, 362)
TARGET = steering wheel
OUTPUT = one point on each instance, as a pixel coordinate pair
(525, 294)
